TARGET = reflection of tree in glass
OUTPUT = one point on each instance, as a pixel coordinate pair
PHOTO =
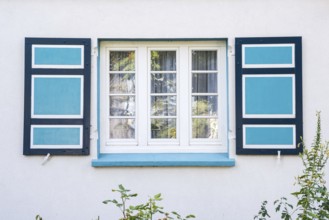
(163, 128)
(122, 128)
(200, 107)
(163, 60)
(122, 60)
(204, 128)
(155, 65)
(122, 83)
(122, 105)
(163, 105)
(163, 83)
(204, 105)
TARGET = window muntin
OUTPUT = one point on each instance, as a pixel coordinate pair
(150, 82)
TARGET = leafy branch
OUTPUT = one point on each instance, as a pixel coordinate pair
(313, 196)
(145, 211)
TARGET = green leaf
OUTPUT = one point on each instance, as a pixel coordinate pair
(121, 187)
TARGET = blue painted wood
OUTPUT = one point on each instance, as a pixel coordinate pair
(57, 96)
(56, 136)
(269, 135)
(163, 160)
(57, 56)
(240, 72)
(83, 72)
(269, 95)
(269, 55)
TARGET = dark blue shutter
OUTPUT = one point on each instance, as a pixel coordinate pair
(268, 95)
(57, 96)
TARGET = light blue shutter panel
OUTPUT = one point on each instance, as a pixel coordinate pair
(57, 96)
(268, 95)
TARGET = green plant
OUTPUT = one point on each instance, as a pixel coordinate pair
(312, 196)
(145, 211)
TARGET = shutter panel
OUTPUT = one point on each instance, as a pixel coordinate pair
(268, 95)
(57, 96)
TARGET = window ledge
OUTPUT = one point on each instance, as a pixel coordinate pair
(164, 160)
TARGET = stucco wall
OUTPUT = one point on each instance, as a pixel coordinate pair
(68, 187)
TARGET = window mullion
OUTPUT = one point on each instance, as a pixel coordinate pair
(143, 106)
(184, 94)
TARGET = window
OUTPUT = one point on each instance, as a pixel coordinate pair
(163, 97)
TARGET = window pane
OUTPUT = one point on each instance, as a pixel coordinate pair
(204, 60)
(204, 105)
(122, 105)
(205, 128)
(122, 60)
(122, 128)
(163, 83)
(163, 60)
(163, 128)
(122, 83)
(204, 83)
(163, 105)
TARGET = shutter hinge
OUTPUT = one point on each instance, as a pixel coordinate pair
(94, 51)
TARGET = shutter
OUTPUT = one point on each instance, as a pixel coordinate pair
(57, 96)
(268, 95)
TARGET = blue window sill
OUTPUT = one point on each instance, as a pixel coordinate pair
(164, 160)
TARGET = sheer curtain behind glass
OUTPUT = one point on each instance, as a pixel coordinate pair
(204, 95)
(163, 95)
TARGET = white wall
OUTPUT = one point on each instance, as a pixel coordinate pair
(67, 187)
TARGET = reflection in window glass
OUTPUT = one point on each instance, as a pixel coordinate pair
(121, 105)
(204, 98)
(163, 83)
(204, 105)
(205, 128)
(163, 60)
(163, 128)
(204, 60)
(122, 60)
(122, 128)
(122, 83)
(163, 95)
(204, 83)
(163, 105)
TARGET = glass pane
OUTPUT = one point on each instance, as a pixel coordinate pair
(122, 105)
(163, 60)
(122, 128)
(163, 105)
(205, 128)
(163, 83)
(122, 60)
(204, 83)
(204, 60)
(163, 128)
(122, 83)
(204, 105)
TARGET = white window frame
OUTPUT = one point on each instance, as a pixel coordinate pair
(183, 142)
(119, 142)
(221, 89)
(163, 142)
